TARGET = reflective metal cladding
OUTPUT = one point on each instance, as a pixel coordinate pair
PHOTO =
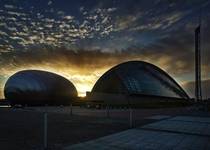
(35, 87)
(138, 77)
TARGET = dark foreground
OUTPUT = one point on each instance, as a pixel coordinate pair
(23, 128)
(173, 133)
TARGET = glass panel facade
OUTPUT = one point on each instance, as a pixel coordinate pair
(142, 82)
(141, 78)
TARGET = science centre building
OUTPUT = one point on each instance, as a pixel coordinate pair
(133, 82)
(35, 87)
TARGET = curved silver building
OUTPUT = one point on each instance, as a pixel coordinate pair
(138, 78)
(35, 87)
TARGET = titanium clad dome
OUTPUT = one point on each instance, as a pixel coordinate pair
(35, 87)
(138, 77)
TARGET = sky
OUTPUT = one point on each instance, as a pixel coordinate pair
(82, 39)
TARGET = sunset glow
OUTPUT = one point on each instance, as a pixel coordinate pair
(85, 39)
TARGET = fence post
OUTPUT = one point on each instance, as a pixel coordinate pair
(71, 111)
(45, 130)
(107, 111)
(131, 117)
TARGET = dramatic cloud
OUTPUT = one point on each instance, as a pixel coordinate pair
(82, 39)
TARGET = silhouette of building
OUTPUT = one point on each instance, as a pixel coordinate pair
(35, 87)
(134, 80)
(198, 87)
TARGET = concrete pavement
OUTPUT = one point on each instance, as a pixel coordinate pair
(176, 133)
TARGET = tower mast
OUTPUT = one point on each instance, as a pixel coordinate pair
(198, 87)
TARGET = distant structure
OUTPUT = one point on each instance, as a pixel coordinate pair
(198, 88)
(134, 80)
(35, 87)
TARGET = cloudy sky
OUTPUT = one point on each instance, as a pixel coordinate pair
(82, 39)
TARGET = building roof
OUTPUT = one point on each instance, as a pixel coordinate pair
(138, 77)
(36, 85)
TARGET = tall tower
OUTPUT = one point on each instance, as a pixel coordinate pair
(198, 89)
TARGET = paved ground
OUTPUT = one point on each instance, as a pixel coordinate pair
(115, 113)
(176, 133)
(23, 128)
(183, 124)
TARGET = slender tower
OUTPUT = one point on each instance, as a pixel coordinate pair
(198, 90)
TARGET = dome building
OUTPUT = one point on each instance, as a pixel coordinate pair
(35, 87)
(135, 79)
